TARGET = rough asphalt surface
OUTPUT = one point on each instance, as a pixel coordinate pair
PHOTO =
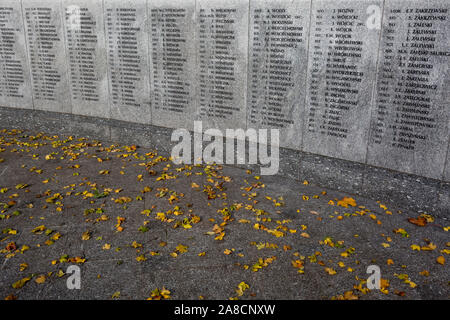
(134, 222)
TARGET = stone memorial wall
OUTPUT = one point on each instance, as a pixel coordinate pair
(365, 81)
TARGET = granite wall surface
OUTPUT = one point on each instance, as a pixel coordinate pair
(364, 81)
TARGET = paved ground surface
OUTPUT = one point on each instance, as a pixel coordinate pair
(134, 222)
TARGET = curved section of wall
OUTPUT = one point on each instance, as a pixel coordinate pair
(365, 81)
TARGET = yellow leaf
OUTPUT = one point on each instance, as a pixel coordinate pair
(40, 279)
(220, 236)
(38, 229)
(348, 295)
(86, 235)
(424, 273)
(330, 271)
(136, 245)
(227, 251)
(440, 260)
(304, 235)
(106, 246)
(19, 284)
(241, 288)
(141, 258)
(431, 246)
(182, 248)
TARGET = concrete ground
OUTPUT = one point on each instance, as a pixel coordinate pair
(134, 222)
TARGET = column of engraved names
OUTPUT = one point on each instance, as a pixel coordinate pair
(406, 88)
(124, 62)
(12, 75)
(82, 41)
(276, 35)
(171, 88)
(335, 42)
(217, 62)
(43, 38)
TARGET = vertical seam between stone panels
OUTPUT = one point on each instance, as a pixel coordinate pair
(107, 58)
(303, 112)
(195, 76)
(149, 60)
(375, 84)
(247, 108)
(196, 67)
(66, 60)
(107, 70)
(446, 163)
(374, 92)
(66, 44)
(27, 54)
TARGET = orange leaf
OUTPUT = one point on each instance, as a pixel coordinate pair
(420, 221)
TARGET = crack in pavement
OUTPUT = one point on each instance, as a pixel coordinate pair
(6, 168)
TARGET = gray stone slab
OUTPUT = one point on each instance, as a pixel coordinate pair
(278, 61)
(142, 135)
(15, 81)
(126, 26)
(410, 126)
(222, 29)
(332, 173)
(86, 50)
(47, 55)
(344, 42)
(173, 46)
(15, 118)
(415, 193)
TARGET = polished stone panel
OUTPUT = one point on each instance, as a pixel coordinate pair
(173, 45)
(222, 28)
(278, 61)
(126, 25)
(343, 52)
(410, 124)
(47, 55)
(86, 50)
(15, 81)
